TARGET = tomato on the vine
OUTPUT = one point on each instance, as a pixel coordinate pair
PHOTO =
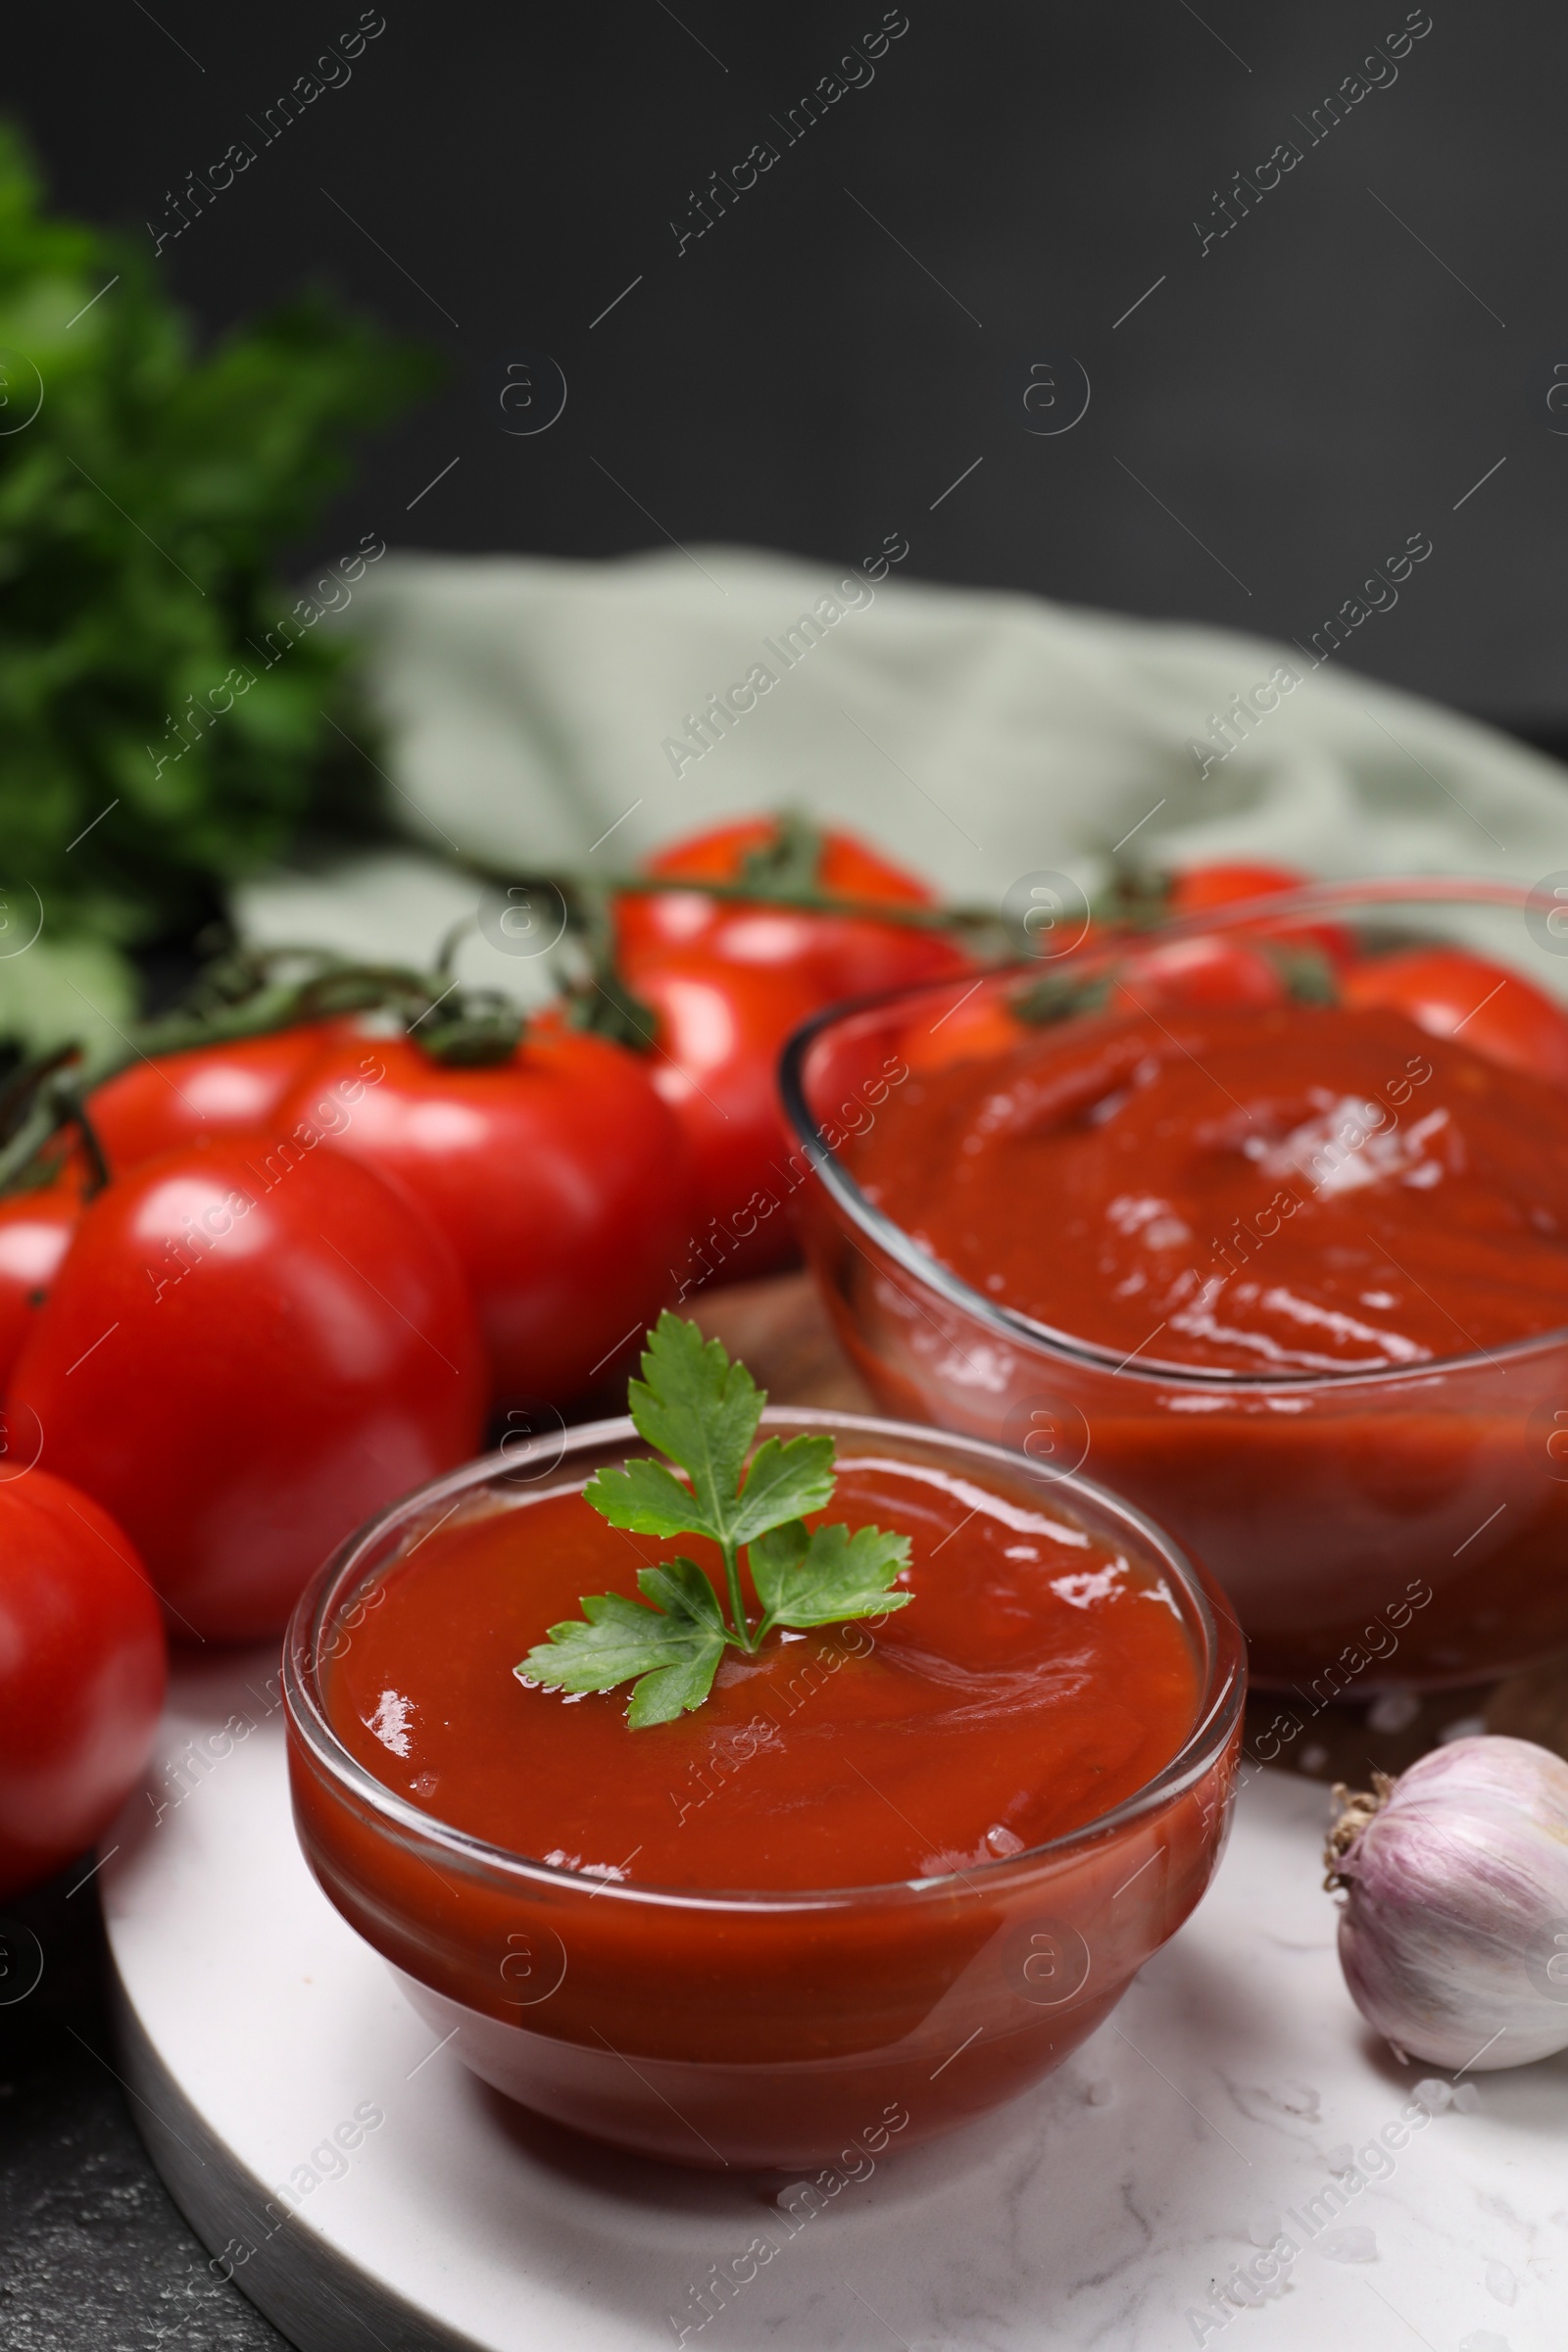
(1207, 971)
(250, 1348)
(969, 1027)
(731, 978)
(1203, 888)
(165, 1100)
(81, 1672)
(1450, 993)
(721, 1028)
(1206, 889)
(35, 1230)
(559, 1178)
(841, 955)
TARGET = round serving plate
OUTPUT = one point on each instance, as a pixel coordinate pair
(366, 2191)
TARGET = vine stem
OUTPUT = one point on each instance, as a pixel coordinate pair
(808, 900)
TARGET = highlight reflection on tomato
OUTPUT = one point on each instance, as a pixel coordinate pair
(250, 1347)
(231, 1089)
(731, 978)
(1492, 1010)
(1193, 973)
(557, 1176)
(721, 1028)
(81, 1673)
(842, 954)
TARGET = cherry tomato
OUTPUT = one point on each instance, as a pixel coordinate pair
(962, 1031)
(81, 1674)
(1200, 972)
(721, 1027)
(1203, 888)
(558, 1177)
(845, 955)
(231, 1089)
(35, 1230)
(250, 1348)
(1450, 993)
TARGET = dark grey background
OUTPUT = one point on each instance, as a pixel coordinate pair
(1302, 397)
(1324, 381)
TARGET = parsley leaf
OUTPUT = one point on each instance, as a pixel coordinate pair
(702, 1412)
(827, 1576)
(674, 1645)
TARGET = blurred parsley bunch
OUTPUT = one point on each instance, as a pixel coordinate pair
(144, 491)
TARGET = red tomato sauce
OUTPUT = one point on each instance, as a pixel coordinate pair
(1300, 1191)
(1034, 1682)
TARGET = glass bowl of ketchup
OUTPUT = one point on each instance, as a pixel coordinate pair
(890, 1874)
(1261, 1215)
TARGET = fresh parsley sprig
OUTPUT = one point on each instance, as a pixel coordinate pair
(701, 1411)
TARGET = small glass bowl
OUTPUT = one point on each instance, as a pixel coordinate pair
(1379, 1530)
(776, 2028)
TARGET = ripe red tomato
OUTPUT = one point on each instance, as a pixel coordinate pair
(1203, 888)
(844, 956)
(81, 1674)
(173, 1099)
(250, 1348)
(35, 1230)
(1450, 993)
(558, 1177)
(730, 979)
(964, 1030)
(721, 1027)
(1193, 973)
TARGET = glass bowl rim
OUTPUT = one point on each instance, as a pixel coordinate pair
(1015, 1329)
(1223, 1680)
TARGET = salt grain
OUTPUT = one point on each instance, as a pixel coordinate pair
(1434, 2093)
(1501, 2285)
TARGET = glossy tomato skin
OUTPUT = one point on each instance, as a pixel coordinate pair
(1203, 888)
(843, 956)
(1493, 1010)
(560, 1180)
(250, 1347)
(1203, 972)
(176, 1098)
(721, 1028)
(35, 1232)
(81, 1674)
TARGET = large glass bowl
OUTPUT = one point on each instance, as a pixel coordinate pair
(1373, 1530)
(744, 2028)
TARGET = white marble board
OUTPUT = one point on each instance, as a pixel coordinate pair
(1098, 2211)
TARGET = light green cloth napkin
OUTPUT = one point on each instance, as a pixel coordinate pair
(549, 712)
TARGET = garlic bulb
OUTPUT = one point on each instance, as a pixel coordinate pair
(1455, 1934)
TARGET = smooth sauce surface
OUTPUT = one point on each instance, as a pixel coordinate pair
(1036, 1680)
(1311, 1189)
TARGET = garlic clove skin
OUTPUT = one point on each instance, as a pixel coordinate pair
(1453, 1938)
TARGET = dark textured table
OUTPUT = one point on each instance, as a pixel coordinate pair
(93, 2255)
